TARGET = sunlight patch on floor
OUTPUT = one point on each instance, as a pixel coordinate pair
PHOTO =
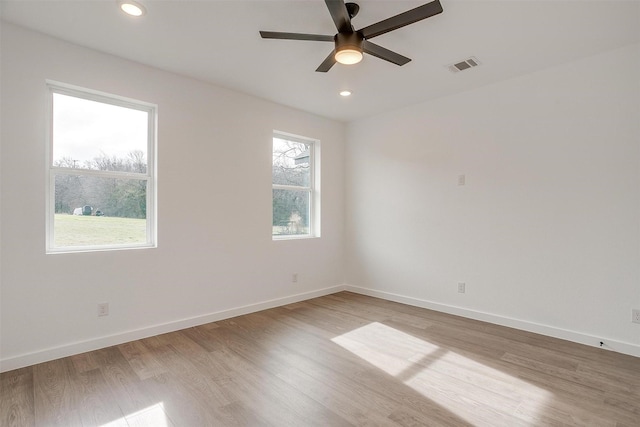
(153, 415)
(466, 387)
(384, 347)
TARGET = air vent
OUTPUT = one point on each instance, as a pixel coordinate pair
(464, 65)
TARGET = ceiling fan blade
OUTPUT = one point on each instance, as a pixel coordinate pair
(382, 53)
(295, 36)
(327, 63)
(405, 18)
(340, 16)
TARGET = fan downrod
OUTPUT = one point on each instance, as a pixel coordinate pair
(352, 9)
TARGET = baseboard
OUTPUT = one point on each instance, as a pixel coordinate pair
(578, 337)
(70, 349)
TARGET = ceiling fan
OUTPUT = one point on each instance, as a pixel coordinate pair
(349, 43)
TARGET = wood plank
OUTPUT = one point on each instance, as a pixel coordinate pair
(16, 398)
(129, 392)
(141, 359)
(56, 394)
(95, 400)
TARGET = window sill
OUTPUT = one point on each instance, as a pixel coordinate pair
(84, 249)
(293, 237)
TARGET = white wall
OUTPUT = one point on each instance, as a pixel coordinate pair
(214, 155)
(546, 231)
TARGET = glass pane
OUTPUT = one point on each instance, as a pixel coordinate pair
(291, 164)
(290, 212)
(93, 211)
(94, 135)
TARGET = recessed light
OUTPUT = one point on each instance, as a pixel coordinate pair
(132, 8)
(345, 93)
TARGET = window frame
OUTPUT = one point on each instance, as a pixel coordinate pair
(150, 177)
(313, 189)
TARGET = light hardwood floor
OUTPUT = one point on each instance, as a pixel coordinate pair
(340, 360)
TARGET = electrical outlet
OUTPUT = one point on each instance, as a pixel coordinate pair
(294, 278)
(462, 180)
(462, 287)
(103, 309)
(635, 315)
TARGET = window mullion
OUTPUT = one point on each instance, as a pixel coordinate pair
(290, 187)
(100, 173)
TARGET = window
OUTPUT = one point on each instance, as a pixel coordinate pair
(101, 173)
(296, 199)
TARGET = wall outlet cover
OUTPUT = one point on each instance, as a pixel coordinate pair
(103, 309)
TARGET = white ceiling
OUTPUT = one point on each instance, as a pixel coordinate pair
(218, 42)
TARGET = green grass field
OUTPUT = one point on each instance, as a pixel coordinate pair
(77, 230)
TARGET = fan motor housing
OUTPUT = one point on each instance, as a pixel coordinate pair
(348, 40)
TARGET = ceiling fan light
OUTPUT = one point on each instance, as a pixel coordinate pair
(348, 56)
